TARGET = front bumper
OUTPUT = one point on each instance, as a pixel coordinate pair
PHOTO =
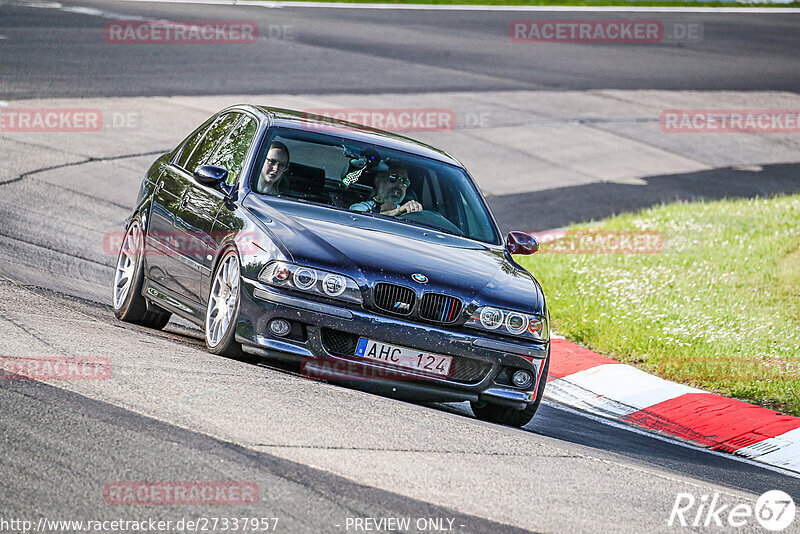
(330, 330)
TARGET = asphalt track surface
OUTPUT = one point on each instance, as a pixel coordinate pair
(50, 52)
(62, 443)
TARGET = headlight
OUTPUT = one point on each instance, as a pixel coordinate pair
(323, 283)
(509, 322)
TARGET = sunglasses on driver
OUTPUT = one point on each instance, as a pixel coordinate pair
(393, 178)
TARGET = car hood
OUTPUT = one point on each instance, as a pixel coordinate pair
(373, 249)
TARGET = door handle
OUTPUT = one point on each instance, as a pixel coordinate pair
(184, 201)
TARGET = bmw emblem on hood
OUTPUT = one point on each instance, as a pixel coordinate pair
(421, 278)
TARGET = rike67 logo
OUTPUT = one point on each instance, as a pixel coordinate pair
(774, 511)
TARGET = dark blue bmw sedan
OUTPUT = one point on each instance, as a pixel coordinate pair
(370, 258)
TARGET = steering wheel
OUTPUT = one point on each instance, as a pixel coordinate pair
(433, 218)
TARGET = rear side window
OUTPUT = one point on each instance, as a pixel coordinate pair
(208, 142)
(190, 144)
(232, 152)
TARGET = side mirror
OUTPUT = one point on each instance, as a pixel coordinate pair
(211, 175)
(521, 243)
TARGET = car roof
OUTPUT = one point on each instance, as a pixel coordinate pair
(289, 118)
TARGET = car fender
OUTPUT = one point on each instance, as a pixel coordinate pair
(147, 190)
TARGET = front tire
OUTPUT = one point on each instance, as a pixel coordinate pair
(222, 311)
(129, 304)
(509, 416)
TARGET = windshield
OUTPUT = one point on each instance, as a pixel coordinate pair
(372, 180)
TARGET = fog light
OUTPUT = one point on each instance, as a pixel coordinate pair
(279, 327)
(522, 379)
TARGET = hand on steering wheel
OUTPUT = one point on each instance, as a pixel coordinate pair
(410, 206)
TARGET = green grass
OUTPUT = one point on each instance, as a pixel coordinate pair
(718, 308)
(629, 3)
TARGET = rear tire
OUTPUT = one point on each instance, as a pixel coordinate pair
(509, 416)
(129, 304)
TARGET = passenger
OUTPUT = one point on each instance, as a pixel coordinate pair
(269, 179)
(388, 194)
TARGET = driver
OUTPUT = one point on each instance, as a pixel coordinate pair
(275, 164)
(388, 194)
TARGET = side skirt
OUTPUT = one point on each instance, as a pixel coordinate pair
(171, 301)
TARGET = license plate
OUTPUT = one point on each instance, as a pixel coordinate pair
(404, 357)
